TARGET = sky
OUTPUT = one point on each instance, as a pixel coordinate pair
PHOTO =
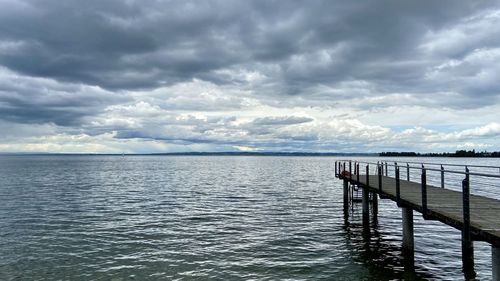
(130, 76)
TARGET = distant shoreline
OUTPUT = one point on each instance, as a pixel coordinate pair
(305, 154)
(458, 153)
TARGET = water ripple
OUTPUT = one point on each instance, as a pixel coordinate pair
(222, 218)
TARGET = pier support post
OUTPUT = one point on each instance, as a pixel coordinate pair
(408, 241)
(375, 206)
(468, 259)
(366, 210)
(495, 263)
(346, 197)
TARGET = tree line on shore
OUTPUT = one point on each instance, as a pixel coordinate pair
(458, 153)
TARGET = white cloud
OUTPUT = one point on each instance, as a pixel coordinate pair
(478, 30)
(245, 148)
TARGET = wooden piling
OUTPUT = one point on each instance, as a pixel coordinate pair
(366, 208)
(408, 248)
(495, 263)
(365, 198)
(346, 196)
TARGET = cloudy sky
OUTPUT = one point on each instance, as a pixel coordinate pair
(329, 76)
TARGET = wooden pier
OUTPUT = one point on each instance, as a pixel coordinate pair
(477, 217)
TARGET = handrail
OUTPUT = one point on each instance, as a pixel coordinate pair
(431, 169)
(445, 164)
(454, 165)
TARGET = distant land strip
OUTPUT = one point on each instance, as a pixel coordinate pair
(458, 153)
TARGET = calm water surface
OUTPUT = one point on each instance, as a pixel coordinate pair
(206, 218)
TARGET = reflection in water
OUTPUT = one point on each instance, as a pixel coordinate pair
(381, 256)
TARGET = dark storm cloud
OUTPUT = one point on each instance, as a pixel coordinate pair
(115, 44)
(39, 101)
(141, 44)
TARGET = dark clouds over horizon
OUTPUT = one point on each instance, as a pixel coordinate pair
(140, 76)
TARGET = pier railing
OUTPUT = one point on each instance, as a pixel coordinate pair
(437, 174)
(487, 183)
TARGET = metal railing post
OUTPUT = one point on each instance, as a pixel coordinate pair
(350, 170)
(407, 172)
(336, 169)
(466, 203)
(357, 174)
(386, 169)
(442, 176)
(398, 188)
(379, 170)
(367, 175)
(424, 192)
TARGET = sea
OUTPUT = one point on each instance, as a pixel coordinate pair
(93, 217)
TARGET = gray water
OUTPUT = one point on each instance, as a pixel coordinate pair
(205, 218)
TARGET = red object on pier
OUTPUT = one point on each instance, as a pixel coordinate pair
(345, 173)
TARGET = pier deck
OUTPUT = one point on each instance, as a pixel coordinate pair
(477, 217)
(442, 204)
